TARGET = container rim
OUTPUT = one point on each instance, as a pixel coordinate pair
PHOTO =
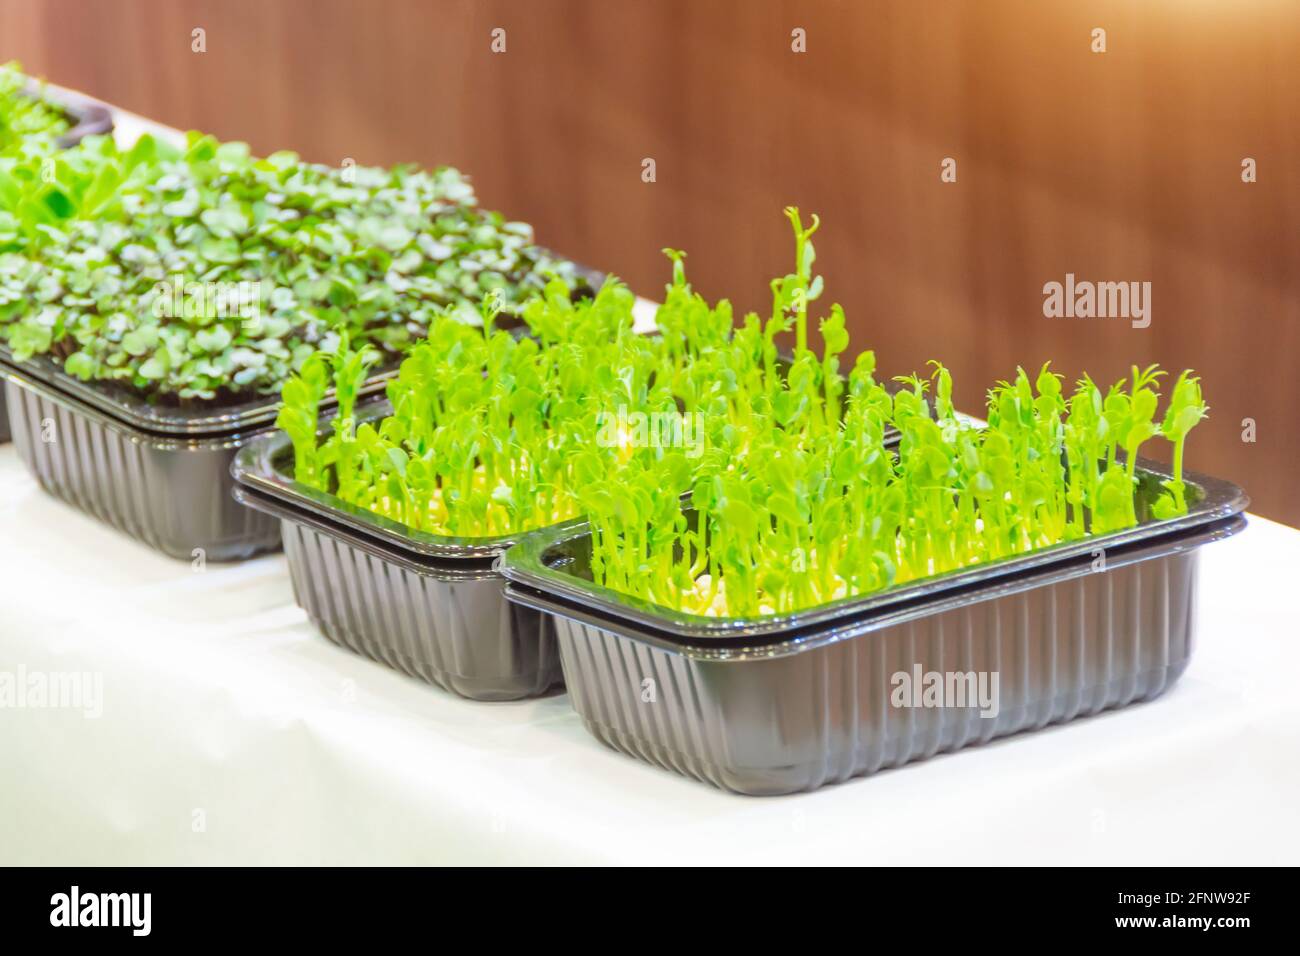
(19, 376)
(444, 569)
(119, 402)
(260, 466)
(801, 636)
(532, 563)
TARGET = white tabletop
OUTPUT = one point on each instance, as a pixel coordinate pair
(219, 699)
(229, 731)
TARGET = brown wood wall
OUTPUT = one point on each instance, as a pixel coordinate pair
(1117, 166)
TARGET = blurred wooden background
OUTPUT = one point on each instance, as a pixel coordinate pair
(1116, 166)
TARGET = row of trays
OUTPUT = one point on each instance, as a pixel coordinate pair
(766, 705)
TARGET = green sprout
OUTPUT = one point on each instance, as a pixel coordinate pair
(791, 498)
(488, 431)
(490, 434)
(1186, 409)
(30, 126)
(792, 515)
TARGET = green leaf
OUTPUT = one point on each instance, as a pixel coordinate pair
(79, 364)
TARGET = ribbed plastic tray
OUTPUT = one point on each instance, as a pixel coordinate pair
(779, 705)
(429, 605)
(171, 492)
(446, 622)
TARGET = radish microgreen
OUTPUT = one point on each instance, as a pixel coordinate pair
(94, 260)
(29, 125)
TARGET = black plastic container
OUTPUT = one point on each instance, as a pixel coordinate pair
(429, 605)
(784, 703)
(161, 478)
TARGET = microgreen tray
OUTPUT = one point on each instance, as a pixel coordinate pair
(788, 703)
(172, 492)
(556, 559)
(429, 605)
